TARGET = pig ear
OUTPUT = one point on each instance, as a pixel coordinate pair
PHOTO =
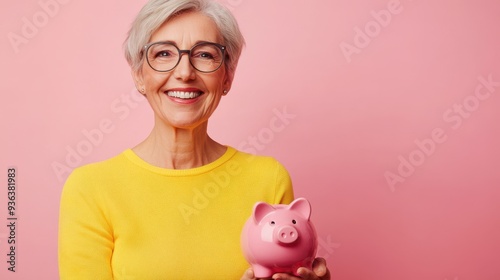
(260, 210)
(301, 206)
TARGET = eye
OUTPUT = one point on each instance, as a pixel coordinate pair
(163, 54)
(272, 223)
(204, 55)
(294, 222)
(206, 52)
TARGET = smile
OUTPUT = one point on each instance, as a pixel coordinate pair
(184, 94)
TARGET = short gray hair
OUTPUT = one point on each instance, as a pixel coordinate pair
(156, 12)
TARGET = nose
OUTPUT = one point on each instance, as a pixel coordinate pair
(184, 70)
(286, 234)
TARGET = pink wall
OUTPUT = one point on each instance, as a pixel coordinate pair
(345, 93)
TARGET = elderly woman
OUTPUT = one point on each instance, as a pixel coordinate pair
(173, 206)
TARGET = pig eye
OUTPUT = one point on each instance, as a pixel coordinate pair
(272, 223)
(294, 222)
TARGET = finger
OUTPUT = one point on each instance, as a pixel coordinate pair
(307, 274)
(284, 276)
(304, 274)
(248, 275)
(319, 267)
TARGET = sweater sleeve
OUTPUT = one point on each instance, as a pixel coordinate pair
(85, 236)
(284, 189)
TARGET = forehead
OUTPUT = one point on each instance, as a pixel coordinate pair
(188, 28)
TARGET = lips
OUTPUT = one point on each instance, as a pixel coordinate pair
(184, 94)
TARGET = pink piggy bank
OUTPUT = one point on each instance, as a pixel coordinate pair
(279, 238)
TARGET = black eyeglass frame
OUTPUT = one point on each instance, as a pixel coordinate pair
(188, 52)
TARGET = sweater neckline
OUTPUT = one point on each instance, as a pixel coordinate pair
(135, 159)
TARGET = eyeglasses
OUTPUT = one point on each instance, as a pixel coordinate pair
(205, 57)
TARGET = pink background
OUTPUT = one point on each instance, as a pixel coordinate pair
(354, 116)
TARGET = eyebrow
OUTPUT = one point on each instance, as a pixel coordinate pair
(175, 44)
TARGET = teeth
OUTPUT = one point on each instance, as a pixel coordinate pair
(183, 94)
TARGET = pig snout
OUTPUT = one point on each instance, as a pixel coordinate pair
(286, 234)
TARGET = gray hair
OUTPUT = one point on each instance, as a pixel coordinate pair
(156, 12)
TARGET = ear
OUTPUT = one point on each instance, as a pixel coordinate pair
(228, 81)
(301, 206)
(138, 80)
(260, 210)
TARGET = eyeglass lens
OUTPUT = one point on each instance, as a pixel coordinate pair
(206, 57)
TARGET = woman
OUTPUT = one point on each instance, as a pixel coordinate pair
(173, 206)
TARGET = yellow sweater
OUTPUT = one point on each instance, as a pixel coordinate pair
(125, 219)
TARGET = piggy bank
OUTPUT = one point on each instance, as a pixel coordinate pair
(279, 238)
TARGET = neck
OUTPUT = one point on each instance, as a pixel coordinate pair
(175, 148)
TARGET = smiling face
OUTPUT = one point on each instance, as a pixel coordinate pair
(184, 97)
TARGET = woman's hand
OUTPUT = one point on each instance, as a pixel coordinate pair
(248, 275)
(319, 272)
